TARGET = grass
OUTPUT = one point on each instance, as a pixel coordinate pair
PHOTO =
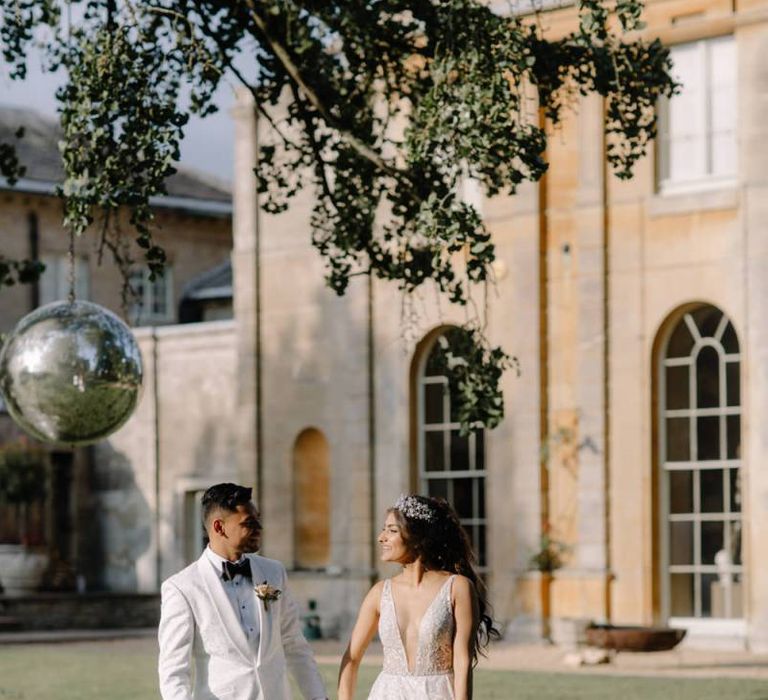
(126, 670)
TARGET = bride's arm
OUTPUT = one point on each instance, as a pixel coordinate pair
(362, 633)
(466, 616)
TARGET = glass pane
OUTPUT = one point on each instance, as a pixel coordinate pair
(727, 587)
(158, 291)
(471, 531)
(708, 437)
(686, 155)
(453, 411)
(708, 378)
(459, 451)
(689, 71)
(712, 541)
(480, 488)
(438, 488)
(681, 543)
(735, 476)
(733, 396)
(711, 596)
(482, 554)
(434, 450)
(480, 450)
(680, 342)
(677, 387)
(680, 491)
(687, 114)
(462, 497)
(434, 366)
(711, 491)
(735, 543)
(738, 596)
(724, 151)
(433, 403)
(707, 319)
(678, 440)
(729, 340)
(733, 430)
(723, 100)
(681, 595)
(722, 63)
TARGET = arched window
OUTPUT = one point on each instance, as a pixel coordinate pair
(700, 460)
(311, 499)
(450, 465)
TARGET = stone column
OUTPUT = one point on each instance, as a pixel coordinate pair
(245, 286)
(577, 378)
(753, 155)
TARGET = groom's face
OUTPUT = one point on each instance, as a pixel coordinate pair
(243, 529)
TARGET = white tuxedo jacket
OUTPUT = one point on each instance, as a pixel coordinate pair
(204, 653)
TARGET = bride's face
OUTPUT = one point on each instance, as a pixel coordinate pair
(391, 541)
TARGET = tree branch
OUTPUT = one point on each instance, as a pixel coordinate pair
(315, 148)
(292, 69)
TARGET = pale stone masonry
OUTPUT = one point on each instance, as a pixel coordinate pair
(623, 262)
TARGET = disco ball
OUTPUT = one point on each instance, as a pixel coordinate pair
(70, 373)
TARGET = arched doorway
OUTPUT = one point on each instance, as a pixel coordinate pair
(699, 455)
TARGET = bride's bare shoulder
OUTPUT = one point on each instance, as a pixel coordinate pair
(378, 586)
(462, 587)
(373, 597)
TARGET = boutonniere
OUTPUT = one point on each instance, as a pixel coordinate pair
(267, 593)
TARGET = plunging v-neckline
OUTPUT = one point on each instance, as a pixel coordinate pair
(421, 621)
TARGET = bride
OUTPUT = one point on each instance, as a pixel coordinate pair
(432, 617)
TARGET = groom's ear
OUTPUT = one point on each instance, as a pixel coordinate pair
(217, 526)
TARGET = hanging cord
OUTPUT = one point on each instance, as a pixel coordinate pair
(71, 294)
(71, 253)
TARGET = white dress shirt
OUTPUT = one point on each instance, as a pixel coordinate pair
(241, 596)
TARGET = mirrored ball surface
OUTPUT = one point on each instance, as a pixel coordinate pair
(70, 373)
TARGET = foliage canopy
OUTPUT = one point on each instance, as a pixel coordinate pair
(383, 107)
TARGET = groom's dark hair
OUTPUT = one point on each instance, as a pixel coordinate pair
(224, 497)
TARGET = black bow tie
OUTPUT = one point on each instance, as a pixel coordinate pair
(230, 569)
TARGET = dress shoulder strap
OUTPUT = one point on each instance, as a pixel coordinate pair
(386, 590)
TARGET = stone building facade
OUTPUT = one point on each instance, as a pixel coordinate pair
(632, 436)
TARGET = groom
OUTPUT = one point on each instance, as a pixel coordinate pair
(228, 627)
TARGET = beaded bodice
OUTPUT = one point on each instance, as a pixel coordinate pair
(434, 653)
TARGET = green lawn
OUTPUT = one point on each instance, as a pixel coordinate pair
(126, 671)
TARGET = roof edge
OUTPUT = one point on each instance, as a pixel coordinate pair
(187, 204)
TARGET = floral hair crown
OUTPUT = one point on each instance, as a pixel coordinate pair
(414, 509)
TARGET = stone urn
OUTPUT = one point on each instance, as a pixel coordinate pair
(21, 569)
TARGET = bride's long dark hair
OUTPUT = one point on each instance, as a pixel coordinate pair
(442, 544)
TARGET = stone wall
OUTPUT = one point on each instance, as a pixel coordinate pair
(180, 440)
(590, 269)
(194, 244)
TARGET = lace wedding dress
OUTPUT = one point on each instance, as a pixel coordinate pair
(432, 675)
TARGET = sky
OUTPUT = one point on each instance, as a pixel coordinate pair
(208, 143)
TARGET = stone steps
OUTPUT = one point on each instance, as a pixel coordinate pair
(9, 624)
